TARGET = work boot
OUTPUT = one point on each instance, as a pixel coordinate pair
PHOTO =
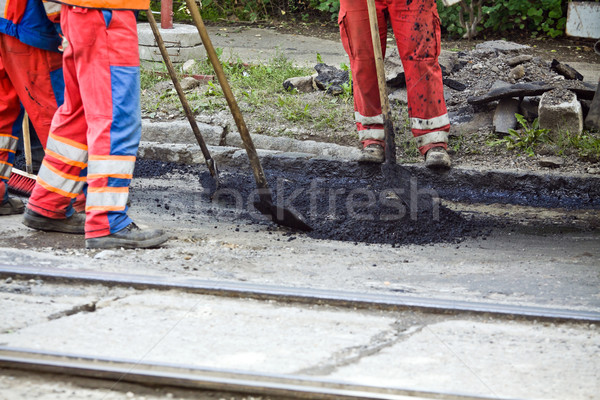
(437, 158)
(130, 237)
(73, 224)
(12, 206)
(372, 153)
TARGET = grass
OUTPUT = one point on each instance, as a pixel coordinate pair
(585, 145)
(264, 102)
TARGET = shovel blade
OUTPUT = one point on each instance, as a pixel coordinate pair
(281, 216)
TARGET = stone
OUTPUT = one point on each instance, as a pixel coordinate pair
(565, 70)
(517, 72)
(504, 116)
(551, 162)
(500, 45)
(514, 61)
(592, 120)
(188, 66)
(304, 84)
(189, 83)
(329, 77)
(560, 111)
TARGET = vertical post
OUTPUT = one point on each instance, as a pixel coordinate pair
(166, 14)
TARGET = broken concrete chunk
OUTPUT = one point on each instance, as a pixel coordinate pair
(330, 76)
(500, 45)
(565, 70)
(514, 61)
(560, 112)
(504, 116)
(188, 66)
(551, 162)
(592, 120)
(517, 72)
(454, 84)
(189, 83)
(304, 84)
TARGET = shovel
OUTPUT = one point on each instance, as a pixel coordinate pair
(265, 205)
(210, 162)
(388, 128)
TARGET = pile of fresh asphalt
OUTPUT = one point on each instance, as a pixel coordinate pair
(354, 203)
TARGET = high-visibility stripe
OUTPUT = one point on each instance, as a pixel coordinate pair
(65, 149)
(8, 141)
(4, 178)
(64, 174)
(61, 184)
(378, 134)
(97, 157)
(5, 169)
(108, 189)
(52, 189)
(432, 137)
(107, 197)
(375, 120)
(5, 162)
(51, 8)
(8, 150)
(105, 208)
(431, 123)
(68, 142)
(117, 176)
(65, 159)
(111, 165)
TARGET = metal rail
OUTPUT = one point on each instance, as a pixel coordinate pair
(163, 374)
(387, 302)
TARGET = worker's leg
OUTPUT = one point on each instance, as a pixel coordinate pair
(10, 124)
(107, 61)
(62, 175)
(416, 27)
(356, 38)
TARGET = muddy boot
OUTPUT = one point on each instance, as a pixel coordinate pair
(12, 206)
(437, 158)
(131, 237)
(372, 153)
(73, 224)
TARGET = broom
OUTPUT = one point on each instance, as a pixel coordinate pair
(22, 182)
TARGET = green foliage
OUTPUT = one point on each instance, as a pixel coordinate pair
(450, 20)
(544, 17)
(331, 7)
(586, 145)
(526, 138)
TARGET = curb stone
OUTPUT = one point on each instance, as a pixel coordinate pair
(461, 184)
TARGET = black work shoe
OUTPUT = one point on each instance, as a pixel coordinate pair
(131, 237)
(437, 158)
(372, 153)
(74, 224)
(12, 206)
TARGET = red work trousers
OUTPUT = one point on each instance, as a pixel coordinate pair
(29, 78)
(95, 134)
(416, 27)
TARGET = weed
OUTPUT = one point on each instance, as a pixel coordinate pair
(586, 145)
(525, 139)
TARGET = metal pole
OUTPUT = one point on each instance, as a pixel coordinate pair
(166, 14)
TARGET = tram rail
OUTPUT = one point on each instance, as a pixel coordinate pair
(162, 374)
(300, 295)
